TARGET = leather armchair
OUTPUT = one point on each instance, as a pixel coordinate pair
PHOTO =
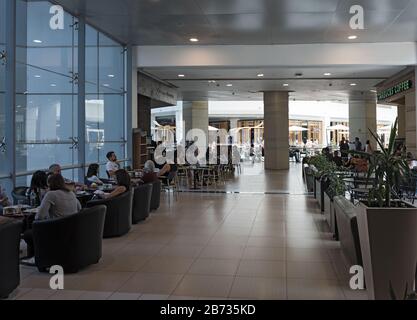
(141, 203)
(73, 242)
(10, 230)
(118, 220)
(156, 195)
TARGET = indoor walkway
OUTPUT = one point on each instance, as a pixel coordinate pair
(217, 246)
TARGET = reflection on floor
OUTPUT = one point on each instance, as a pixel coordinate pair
(217, 246)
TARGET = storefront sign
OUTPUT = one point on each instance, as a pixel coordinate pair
(156, 90)
(399, 88)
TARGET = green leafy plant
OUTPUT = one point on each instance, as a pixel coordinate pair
(388, 169)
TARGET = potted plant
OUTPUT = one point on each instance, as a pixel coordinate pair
(323, 167)
(387, 226)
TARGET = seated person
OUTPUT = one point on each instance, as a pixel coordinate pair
(4, 200)
(123, 185)
(71, 185)
(358, 164)
(337, 159)
(58, 202)
(112, 165)
(149, 174)
(92, 175)
(38, 188)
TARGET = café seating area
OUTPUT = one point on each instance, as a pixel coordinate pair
(73, 242)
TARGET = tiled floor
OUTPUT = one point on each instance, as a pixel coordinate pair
(216, 246)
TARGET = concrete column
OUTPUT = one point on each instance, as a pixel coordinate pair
(401, 122)
(276, 130)
(195, 116)
(410, 123)
(362, 118)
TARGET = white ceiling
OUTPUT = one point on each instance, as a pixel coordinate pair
(218, 23)
(249, 22)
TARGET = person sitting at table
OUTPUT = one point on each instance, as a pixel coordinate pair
(358, 164)
(71, 185)
(4, 200)
(149, 174)
(112, 165)
(38, 188)
(123, 185)
(337, 159)
(92, 175)
(58, 202)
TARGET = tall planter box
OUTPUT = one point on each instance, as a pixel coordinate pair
(329, 213)
(309, 178)
(321, 186)
(388, 238)
(347, 229)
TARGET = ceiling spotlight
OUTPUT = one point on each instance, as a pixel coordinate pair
(285, 85)
(353, 37)
(194, 39)
(261, 75)
(111, 75)
(53, 85)
(373, 91)
(181, 75)
(353, 84)
(37, 41)
(212, 81)
(229, 85)
(327, 74)
(37, 76)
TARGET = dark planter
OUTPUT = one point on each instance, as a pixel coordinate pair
(329, 213)
(322, 184)
(347, 228)
(388, 240)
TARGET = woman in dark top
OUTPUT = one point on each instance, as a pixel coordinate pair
(123, 185)
(38, 188)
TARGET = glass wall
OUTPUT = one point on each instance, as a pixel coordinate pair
(2, 86)
(105, 97)
(46, 90)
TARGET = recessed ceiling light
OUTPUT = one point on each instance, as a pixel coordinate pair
(353, 37)
(194, 39)
(353, 84)
(37, 41)
(373, 91)
(229, 85)
(37, 76)
(212, 81)
(111, 75)
(327, 74)
(53, 85)
(261, 75)
(181, 75)
(285, 85)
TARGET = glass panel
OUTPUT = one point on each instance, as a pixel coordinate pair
(91, 60)
(45, 118)
(2, 134)
(40, 156)
(111, 63)
(105, 118)
(2, 21)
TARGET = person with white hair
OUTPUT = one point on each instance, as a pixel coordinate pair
(149, 174)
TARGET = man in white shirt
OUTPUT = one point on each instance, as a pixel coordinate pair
(112, 165)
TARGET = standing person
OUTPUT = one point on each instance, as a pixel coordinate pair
(368, 147)
(112, 165)
(344, 148)
(358, 144)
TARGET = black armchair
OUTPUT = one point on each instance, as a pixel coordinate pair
(156, 195)
(10, 230)
(73, 242)
(141, 203)
(118, 215)
(19, 194)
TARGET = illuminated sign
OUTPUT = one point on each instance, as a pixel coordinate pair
(390, 92)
